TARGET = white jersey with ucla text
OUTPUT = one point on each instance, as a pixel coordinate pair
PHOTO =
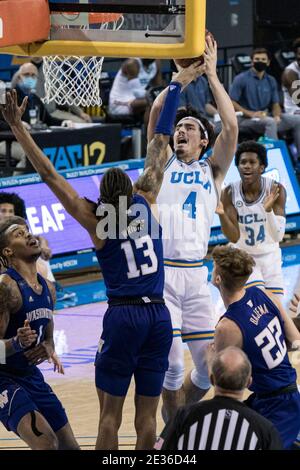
(256, 240)
(254, 236)
(187, 203)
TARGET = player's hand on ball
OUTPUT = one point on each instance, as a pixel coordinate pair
(186, 75)
(211, 57)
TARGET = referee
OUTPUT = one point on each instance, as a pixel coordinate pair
(225, 422)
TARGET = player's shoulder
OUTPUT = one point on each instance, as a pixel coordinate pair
(10, 295)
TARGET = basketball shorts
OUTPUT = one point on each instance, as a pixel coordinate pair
(267, 272)
(188, 298)
(135, 341)
(283, 411)
(21, 395)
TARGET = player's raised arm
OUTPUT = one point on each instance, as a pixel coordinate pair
(78, 207)
(185, 76)
(150, 181)
(225, 146)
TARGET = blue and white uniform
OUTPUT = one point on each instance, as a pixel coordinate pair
(22, 386)
(137, 331)
(276, 395)
(256, 240)
(187, 203)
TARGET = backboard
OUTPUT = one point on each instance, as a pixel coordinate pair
(122, 28)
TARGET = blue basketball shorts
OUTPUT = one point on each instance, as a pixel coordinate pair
(21, 395)
(136, 340)
(283, 411)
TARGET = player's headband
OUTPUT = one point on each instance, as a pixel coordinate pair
(198, 122)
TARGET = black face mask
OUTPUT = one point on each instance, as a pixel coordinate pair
(260, 66)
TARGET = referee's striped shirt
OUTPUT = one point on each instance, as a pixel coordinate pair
(219, 424)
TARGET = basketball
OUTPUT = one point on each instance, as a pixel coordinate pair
(186, 62)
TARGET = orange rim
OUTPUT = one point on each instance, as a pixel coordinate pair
(95, 17)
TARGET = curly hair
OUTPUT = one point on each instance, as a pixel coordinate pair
(189, 111)
(16, 201)
(253, 147)
(233, 265)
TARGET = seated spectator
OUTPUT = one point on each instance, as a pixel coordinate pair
(291, 83)
(128, 95)
(255, 94)
(291, 89)
(224, 422)
(25, 82)
(71, 113)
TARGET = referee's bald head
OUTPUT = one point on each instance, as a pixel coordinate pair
(231, 370)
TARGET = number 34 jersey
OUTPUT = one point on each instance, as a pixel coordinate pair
(262, 329)
(187, 203)
(254, 235)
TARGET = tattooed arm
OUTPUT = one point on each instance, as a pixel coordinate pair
(150, 181)
(10, 302)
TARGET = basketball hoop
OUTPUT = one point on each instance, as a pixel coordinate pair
(74, 80)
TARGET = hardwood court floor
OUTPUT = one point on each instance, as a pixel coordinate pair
(77, 331)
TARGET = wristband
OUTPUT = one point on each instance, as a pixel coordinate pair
(276, 226)
(168, 113)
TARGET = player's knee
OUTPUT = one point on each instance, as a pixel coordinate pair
(174, 376)
(145, 423)
(109, 422)
(200, 378)
(48, 441)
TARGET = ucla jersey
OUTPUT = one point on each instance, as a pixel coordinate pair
(134, 267)
(264, 343)
(187, 203)
(37, 309)
(254, 235)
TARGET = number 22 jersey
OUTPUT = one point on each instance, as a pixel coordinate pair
(262, 329)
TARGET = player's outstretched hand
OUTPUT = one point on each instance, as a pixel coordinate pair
(210, 57)
(58, 366)
(186, 75)
(11, 112)
(39, 354)
(271, 198)
(25, 335)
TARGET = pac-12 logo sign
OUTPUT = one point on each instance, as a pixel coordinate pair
(3, 399)
(239, 204)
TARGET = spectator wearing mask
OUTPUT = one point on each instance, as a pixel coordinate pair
(255, 94)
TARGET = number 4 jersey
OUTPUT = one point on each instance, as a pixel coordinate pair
(262, 329)
(254, 236)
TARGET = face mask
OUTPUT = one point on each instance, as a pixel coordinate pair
(260, 66)
(29, 83)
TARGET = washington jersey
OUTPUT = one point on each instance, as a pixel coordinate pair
(262, 329)
(187, 203)
(254, 235)
(37, 309)
(132, 266)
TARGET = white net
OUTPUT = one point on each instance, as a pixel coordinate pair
(75, 79)
(72, 80)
